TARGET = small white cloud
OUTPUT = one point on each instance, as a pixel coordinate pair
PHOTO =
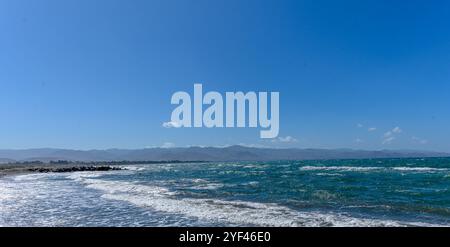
(397, 130)
(419, 140)
(168, 145)
(387, 134)
(287, 139)
(171, 125)
(358, 140)
(390, 136)
(359, 125)
(388, 140)
(371, 129)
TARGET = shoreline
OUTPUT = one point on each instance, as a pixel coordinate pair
(8, 169)
(21, 169)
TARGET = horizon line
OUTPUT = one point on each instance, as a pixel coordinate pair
(224, 146)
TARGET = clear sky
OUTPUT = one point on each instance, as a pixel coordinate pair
(100, 74)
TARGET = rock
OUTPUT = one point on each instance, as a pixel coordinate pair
(75, 169)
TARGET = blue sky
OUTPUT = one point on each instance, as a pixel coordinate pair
(100, 74)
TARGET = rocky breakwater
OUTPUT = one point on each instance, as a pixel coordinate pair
(74, 169)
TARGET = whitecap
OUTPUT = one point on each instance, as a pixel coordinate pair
(372, 168)
(420, 169)
(340, 168)
(239, 213)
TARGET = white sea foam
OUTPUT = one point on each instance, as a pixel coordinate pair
(251, 183)
(199, 180)
(207, 186)
(200, 184)
(135, 168)
(340, 168)
(242, 213)
(81, 176)
(420, 169)
(21, 191)
(372, 168)
(29, 177)
(329, 174)
(6, 193)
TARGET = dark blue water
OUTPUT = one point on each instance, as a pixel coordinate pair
(378, 192)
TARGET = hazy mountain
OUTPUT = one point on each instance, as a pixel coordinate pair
(5, 161)
(232, 153)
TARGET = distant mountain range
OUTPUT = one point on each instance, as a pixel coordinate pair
(232, 153)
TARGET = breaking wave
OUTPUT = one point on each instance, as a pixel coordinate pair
(240, 213)
(372, 168)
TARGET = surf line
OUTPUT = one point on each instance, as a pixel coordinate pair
(213, 117)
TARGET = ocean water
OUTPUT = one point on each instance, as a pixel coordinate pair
(377, 192)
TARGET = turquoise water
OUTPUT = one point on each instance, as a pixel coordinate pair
(378, 192)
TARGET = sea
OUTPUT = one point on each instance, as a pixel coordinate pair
(331, 193)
